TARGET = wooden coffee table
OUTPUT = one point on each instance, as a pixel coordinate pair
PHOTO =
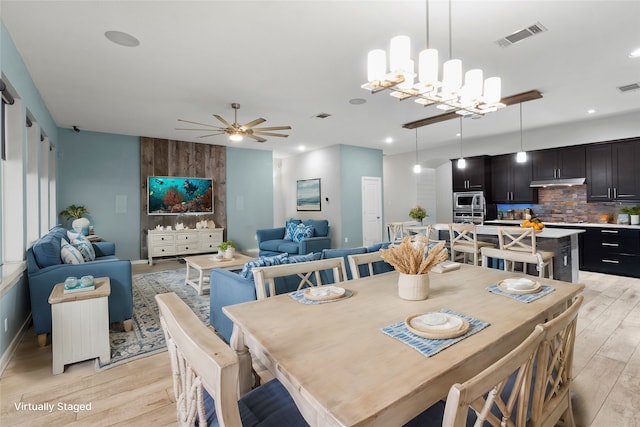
(203, 264)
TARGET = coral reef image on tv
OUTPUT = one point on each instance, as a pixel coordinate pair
(178, 195)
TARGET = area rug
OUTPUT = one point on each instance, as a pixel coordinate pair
(147, 337)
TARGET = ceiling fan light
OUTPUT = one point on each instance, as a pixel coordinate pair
(521, 157)
(462, 163)
(376, 65)
(236, 137)
(400, 53)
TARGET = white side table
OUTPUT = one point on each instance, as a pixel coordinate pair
(80, 328)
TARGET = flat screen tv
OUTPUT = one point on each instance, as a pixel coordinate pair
(172, 195)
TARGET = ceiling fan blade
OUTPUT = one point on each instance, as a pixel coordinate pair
(253, 123)
(257, 138)
(200, 124)
(226, 123)
(257, 132)
(273, 128)
(211, 134)
(200, 129)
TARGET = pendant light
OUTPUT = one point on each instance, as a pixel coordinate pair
(462, 163)
(521, 156)
(417, 168)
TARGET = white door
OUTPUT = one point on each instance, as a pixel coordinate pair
(371, 210)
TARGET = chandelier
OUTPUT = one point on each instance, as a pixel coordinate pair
(476, 96)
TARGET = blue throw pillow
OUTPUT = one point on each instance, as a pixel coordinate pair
(302, 232)
(263, 261)
(81, 243)
(69, 254)
(290, 230)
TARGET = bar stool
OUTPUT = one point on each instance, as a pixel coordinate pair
(464, 240)
(518, 244)
(395, 231)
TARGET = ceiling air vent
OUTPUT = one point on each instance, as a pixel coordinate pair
(627, 88)
(520, 35)
(322, 115)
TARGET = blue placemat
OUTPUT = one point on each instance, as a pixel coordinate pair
(523, 297)
(429, 347)
(299, 296)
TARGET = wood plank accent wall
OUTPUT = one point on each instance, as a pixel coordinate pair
(163, 157)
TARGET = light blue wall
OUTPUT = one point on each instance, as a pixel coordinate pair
(355, 162)
(18, 77)
(102, 172)
(249, 195)
(14, 303)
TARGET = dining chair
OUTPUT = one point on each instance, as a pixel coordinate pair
(310, 274)
(368, 260)
(552, 387)
(500, 395)
(205, 376)
(518, 244)
(464, 242)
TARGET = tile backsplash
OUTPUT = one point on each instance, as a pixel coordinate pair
(569, 204)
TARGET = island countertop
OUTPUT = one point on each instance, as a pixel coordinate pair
(547, 233)
(564, 224)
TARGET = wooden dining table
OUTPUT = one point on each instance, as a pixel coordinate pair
(342, 370)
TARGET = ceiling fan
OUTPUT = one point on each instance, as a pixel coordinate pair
(236, 131)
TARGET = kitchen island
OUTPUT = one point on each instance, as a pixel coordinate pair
(561, 241)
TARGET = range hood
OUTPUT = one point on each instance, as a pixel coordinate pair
(559, 182)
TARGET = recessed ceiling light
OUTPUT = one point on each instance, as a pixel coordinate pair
(458, 134)
(123, 39)
(635, 54)
(388, 140)
(357, 101)
(591, 111)
(300, 147)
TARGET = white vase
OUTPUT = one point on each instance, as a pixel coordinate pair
(413, 287)
(81, 225)
(635, 219)
(229, 253)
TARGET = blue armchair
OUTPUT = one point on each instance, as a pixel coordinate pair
(45, 269)
(271, 241)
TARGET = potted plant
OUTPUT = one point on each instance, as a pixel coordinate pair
(418, 213)
(623, 216)
(414, 260)
(634, 215)
(80, 224)
(227, 249)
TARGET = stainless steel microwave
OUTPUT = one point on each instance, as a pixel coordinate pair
(469, 201)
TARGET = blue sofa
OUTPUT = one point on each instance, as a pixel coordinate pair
(272, 241)
(229, 287)
(45, 269)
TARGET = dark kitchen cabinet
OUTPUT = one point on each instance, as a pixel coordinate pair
(510, 181)
(612, 171)
(611, 250)
(557, 163)
(474, 177)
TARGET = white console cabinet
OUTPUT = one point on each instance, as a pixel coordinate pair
(162, 243)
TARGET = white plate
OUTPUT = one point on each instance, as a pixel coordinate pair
(520, 285)
(436, 322)
(319, 293)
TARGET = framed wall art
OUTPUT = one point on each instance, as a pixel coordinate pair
(308, 195)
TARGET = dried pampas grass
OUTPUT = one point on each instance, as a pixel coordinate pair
(409, 257)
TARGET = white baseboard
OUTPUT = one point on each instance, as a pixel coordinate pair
(8, 354)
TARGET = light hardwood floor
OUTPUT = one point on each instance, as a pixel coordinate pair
(140, 393)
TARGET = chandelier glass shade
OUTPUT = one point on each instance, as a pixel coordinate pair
(473, 95)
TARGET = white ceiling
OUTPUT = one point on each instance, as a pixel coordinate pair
(288, 61)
